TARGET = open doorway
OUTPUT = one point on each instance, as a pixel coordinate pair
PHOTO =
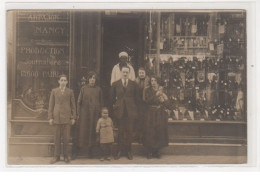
(119, 34)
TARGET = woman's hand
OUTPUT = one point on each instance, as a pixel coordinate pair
(161, 99)
(73, 121)
(51, 121)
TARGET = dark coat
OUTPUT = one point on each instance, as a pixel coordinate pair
(156, 121)
(90, 102)
(62, 107)
(124, 98)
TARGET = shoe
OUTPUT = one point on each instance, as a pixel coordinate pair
(129, 155)
(156, 154)
(108, 158)
(74, 156)
(66, 159)
(118, 155)
(101, 159)
(55, 159)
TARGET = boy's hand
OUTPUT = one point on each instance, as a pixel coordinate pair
(51, 121)
(73, 121)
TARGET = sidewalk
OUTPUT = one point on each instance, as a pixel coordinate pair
(139, 160)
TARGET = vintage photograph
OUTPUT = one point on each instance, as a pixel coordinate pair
(98, 87)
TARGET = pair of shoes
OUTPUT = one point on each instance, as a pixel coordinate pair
(66, 159)
(129, 155)
(118, 155)
(55, 159)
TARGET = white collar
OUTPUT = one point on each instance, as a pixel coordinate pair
(62, 89)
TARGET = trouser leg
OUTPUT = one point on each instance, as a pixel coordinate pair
(66, 136)
(102, 150)
(121, 135)
(128, 134)
(57, 140)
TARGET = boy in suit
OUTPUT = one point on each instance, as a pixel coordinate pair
(61, 114)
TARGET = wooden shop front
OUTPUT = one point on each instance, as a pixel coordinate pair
(204, 50)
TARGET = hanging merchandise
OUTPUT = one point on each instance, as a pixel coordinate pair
(211, 47)
(178, 28)
(194, 29)
(221, 29)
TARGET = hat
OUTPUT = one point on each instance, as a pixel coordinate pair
(123, 54)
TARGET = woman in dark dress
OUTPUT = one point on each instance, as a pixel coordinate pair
(156, 120)
(90, 102)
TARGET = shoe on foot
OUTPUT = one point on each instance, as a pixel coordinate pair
(156, 154)
(55, 159)
(129, 155)
(118, 155)
(66, 159)
(108, 158)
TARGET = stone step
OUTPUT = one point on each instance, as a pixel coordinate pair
(190, 139)
(46, 149)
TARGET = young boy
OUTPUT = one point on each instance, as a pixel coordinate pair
(62, 114)
(105, 134)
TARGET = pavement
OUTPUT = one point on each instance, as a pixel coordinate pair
(138, 160)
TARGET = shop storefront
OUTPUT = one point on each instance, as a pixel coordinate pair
(199, 55)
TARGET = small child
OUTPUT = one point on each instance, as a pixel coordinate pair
(105, 134)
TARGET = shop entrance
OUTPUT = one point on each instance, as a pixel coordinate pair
(119, 34)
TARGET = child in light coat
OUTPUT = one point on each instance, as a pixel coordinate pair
(105, 135)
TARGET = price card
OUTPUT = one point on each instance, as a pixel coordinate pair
(221, 29)
(161, 45)
(178, 28)
(211, 47)
(193, 28)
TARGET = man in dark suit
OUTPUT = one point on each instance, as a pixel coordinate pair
(62, 114)
(124, 97)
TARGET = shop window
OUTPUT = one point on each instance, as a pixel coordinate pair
(202, 58)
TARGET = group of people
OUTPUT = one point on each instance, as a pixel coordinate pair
(138, 110)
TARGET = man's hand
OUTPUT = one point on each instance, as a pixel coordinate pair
(51, 121)
(73, 121)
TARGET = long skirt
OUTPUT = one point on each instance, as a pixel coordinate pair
(87, 127)
(155, 128)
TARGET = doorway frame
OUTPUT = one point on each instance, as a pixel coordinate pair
(140, 17)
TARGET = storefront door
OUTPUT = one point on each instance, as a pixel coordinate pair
(119, 34)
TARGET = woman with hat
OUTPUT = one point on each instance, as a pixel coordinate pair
(156, 120)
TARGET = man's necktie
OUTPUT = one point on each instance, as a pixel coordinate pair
(125, 83)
